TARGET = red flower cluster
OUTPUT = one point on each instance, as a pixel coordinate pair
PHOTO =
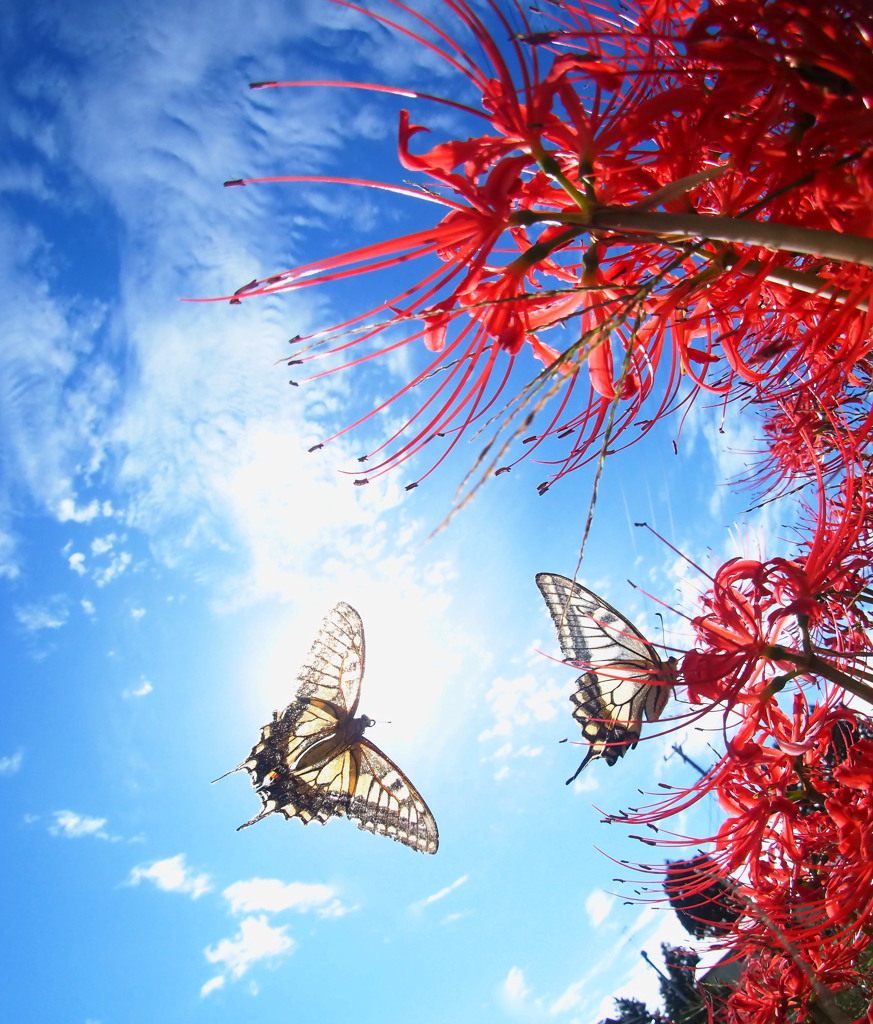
(582, 214)
(652, 208)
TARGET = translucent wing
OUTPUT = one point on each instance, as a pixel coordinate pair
(334, 667)
(626, 678)
(311, 761)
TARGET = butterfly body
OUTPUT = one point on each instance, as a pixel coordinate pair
(625, 680)
(312, 761)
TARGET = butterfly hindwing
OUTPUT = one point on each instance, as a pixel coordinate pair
(626, 678)
(385, 801)
(312, 762)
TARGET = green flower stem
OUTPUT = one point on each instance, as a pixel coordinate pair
(549, 165)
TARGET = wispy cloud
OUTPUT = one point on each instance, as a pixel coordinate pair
(11, 763)
(213, 985)
(620, 962)
(9, 567)
(526, 699)
(51, 434)
(51, 614)
(458, 882)
(142, 689)
(255, 940)
(569, 998)
(75, 826)
(208, 444)
(172, 875)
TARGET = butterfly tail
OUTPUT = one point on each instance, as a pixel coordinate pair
(257, 818)
(592, 753)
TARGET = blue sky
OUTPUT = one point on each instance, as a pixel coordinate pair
(168, 548)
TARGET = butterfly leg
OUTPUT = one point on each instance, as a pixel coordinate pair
(239, 767)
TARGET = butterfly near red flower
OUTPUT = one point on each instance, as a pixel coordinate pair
(625, 679)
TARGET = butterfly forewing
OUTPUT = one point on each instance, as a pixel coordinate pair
(626, 678)
(334, 667)
(312, 762)
(590, 631)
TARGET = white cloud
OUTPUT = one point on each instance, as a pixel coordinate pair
(212, 985)
(137, 613)
(67, 511)
(273, 896)
(442, 892)
(569, 998)
(255, 940)
(143, 689)
(518, 702)
(87, 606)
(598, 906)
(74, 826)
(76, 562)
(507, 751)
(100, 545)
(51, 614)
(117, 564)
(9, 567)
(172, 875)
(336, 908)
(51, 432)
(188, 442)
(621, 963)
(11, 763)
(515, 989)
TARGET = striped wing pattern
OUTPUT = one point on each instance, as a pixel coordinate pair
(312, 762)
(625, 679)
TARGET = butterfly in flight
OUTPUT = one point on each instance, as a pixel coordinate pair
(625, 678)
(312, 761)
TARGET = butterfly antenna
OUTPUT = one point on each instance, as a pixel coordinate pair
(220, 777)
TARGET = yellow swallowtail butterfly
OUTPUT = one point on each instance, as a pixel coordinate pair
(312, 761)
(624, 678)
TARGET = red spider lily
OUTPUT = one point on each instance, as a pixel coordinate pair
(735, 631)
(799, 908)
(816, 599)
(554, 215)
